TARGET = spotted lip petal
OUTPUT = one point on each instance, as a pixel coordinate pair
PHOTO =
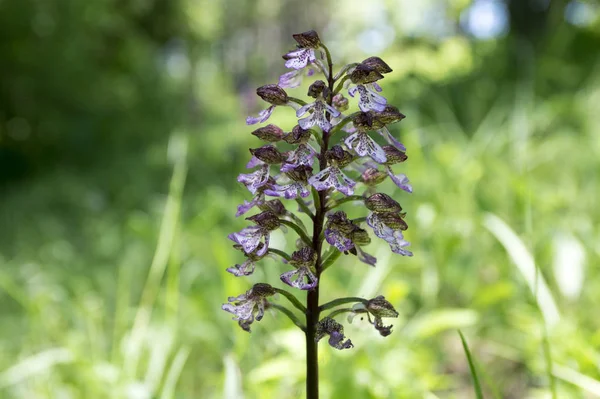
(332, 177)
(295, 278)
(364, 145)
(255, 180)
(299, 59)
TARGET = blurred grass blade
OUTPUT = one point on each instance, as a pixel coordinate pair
(35, 365)
(549, 364)
(524, 262)
(174, 373)
(569, 264)
(477, 385)
(166, 238)
(232, 388)
(582, 381)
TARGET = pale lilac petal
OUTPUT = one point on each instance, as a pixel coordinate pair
(379, 228)
(288, 191)
(290, 80)
(321, 181)
(253, 162)
(262, 116)
(307, 123)
(299, 59)
(385, 133)
(304, 109)
(336, 239)
(334, 112)
(400, 180)
(352, 91)
(398, 245)
(364, 145)
(265, 247)
(365, 257)
(376, 86)
(344, 184)
(246, 206)
(249, 238)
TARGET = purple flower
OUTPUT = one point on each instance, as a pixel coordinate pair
(255, 180)
(246, 268)
(317, 117)
(303, 155)
(328, 326)
(299, 58)
(304, 260)
(346, 236)
(389, 226)
(250, 238)
(368, 99)
(298, 187)
(332, 177)
(249, 306)
(262, 116)
(364, 145)
(377, 307)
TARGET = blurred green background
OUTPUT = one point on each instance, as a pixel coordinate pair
(122, 132)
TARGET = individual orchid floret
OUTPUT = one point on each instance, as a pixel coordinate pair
(364, 145)
(298, 187)
(272, 94)
(300, 58)
(270, 133)
(259, 200)
(332, 176)
(368, 98)
(248, 266)
(303, 155)
(255, 180)
(347, 237)
(317, 109)
(297, 136)
(395, 156)
(249, 306)
(389, 226)
(303, 277)
(377, 307)
(328, 326)
(251, 237)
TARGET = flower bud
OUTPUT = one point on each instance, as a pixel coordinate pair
(364, 74)
(366, 121)
(304, 257)
(377, 64)
(393, 220)
(300, 173)
(359, 236)
(372, 177)
(340, 156)
(309, 39)
(389, 115)
(297, 136)
(340, 102)
(381, 202)
(272, 94)
(393, 155)
(268, 154)
(380, 307)
(318, 88)
(328, 326)
(275, 206)
(262, 290)
(270, 133)
(266, 219)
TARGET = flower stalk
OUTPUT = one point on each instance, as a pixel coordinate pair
(333, 169)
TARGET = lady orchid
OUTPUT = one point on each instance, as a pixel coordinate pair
(335, 156)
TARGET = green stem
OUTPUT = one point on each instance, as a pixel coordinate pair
(280, 253)
(330, 258)
(289, 314)
(297, 220)
(344, 69)
(338, 88)
(297, 100)
(341, 201)
(328, 54)
(359, 220)
(292, 299)
(342, 301)
(297, 229)
(340, 311)
(305, 208)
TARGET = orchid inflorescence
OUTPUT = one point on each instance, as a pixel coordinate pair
(330, 154)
